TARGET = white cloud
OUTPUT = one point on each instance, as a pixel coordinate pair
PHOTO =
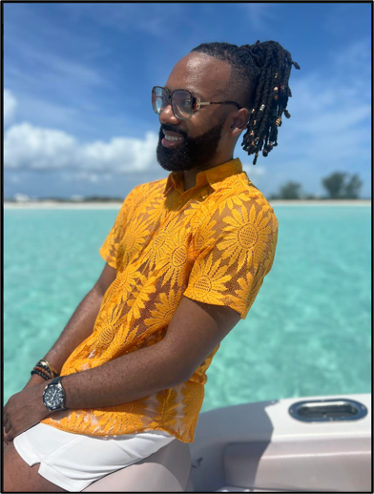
(121, 154)
(253, 171)
(10, 105)
(28, 147)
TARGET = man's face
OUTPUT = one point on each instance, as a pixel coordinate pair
(206, 78)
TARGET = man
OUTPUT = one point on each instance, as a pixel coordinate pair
(185, 260)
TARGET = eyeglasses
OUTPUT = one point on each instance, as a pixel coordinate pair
(183, 102)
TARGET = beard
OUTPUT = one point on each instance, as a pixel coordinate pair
(192, 152)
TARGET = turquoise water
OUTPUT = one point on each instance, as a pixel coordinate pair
(307, 333)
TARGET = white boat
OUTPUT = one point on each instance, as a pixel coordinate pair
(312, 444)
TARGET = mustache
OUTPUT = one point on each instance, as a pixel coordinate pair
(171, 129)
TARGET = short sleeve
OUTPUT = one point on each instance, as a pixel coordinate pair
(235, 249)
(108, 250)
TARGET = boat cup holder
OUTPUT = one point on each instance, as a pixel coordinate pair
(327, 410)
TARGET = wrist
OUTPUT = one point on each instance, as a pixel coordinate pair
(53, 395)
(39, 397)
(34, 380)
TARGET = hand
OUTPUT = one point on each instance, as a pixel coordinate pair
(24, 410)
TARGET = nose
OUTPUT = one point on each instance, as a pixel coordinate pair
(167, 116)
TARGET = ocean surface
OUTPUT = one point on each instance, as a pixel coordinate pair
(307, 333)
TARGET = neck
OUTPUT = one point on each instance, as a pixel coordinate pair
(189, 176)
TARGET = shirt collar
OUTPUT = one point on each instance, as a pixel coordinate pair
(212, 176)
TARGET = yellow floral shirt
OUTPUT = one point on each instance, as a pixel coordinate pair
(213, 243)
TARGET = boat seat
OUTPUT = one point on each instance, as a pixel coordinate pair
(167, 470)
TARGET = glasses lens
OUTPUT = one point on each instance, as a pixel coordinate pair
(182, 104)
(159, 99)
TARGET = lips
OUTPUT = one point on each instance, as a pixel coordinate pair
(171, 144)
(171, 139)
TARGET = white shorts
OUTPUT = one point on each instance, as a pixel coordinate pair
(74, 461)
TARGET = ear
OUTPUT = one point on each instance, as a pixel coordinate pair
(239, 121)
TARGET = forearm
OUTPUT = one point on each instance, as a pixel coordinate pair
(79, 327)
(124, 379)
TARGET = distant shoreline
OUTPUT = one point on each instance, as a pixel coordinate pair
(62, 205)
(117, 205)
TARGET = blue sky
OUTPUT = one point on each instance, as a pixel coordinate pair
(78, 78)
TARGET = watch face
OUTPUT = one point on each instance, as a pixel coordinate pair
(54, 396)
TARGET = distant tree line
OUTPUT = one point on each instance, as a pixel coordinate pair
(337, 186)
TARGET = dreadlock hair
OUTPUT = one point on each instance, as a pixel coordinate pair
(260, 72)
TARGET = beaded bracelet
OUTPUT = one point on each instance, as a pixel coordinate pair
(44, 368)
(40, 374)
(47, 366)
(45, 372)
(44, 362)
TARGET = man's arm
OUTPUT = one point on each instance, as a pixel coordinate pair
(80, 325)
(194, 332)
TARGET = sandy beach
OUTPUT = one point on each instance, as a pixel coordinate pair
(62, 205)
(117, 205)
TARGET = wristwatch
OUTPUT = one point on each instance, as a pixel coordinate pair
(54, 395)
